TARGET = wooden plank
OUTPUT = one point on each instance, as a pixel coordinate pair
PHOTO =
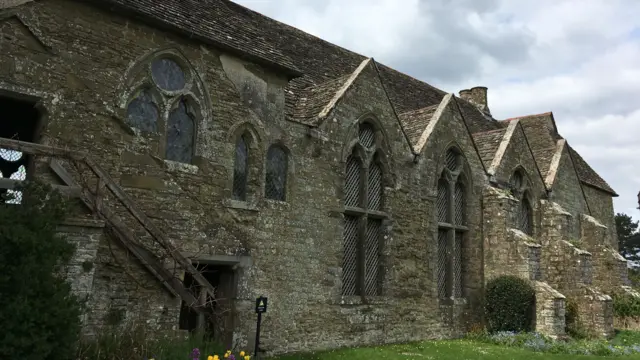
(87, 223)
(149, 225)
(120, 231)
(39, 149)
(99, 194)
(73, 191)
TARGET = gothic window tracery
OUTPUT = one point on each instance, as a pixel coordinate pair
(524, 212)
(275, 186)
(451, 213)
(364, 204)
(167, 86)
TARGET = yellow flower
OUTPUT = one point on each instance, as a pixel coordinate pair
(210, 357)
(216, 357)
(241, 353)
(247, 357)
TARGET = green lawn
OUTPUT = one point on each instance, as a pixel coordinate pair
(444, 350)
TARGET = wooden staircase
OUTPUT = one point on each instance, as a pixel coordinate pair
(85, 179)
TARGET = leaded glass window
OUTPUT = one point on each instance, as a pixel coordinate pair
(241, 170)
(363, 219)
(276, 175)
(451, 209)
(180, 134)
(142, 112)
(168, 75)
(168, 83)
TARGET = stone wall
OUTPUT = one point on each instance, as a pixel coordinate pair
(84, 75)
(567, 192)
(84, 65)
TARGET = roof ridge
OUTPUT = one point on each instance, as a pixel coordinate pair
(528, 116)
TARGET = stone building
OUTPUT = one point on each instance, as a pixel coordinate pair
(209, 147)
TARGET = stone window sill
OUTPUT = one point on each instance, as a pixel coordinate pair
(241, 205)
(452, 302)
(181, 167)
(276, 204)
(357, 300)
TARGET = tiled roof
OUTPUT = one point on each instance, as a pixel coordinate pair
(543, 144)
(318, 65)
(224, 23)
(587, 174)
(211, 21)
(475, 120)
(313, 99)
(414, 122)
(487, 144)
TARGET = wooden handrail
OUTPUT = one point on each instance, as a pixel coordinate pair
(117, 227)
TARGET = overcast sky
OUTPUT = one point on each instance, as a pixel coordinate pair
(577, 58)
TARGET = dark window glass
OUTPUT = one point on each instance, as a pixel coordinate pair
(142, 112)
(240, 170)
(180, 135)
(167, 74)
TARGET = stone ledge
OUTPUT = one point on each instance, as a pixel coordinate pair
(239, 204)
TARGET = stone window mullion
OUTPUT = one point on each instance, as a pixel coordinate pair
(362, 230)
(363, 226)
(451, 237)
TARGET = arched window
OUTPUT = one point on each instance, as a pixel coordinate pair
(524, 212)
(275, 186)
(452, 226)
(180, 134)
(142, 112)
(241, 169)
(168, 84)
(363, 201)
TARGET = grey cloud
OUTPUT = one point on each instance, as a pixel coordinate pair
(575, 58)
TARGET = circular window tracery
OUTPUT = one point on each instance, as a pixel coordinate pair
(168, 75)
(167, 81)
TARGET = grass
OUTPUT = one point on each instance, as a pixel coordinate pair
(448, 350)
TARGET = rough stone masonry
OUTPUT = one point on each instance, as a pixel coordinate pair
(368, 206)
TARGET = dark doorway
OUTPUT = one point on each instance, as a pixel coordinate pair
(219, 325)
(19, 120)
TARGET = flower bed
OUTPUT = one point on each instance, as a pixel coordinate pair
(540, 343)
(229, 355)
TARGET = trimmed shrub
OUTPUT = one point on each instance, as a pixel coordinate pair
(40, 316)
(510, 304)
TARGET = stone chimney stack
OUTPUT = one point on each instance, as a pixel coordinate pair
(478, 97)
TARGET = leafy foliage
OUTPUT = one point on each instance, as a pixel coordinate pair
(628, 236)
(139, 342)
(510, 304)
(40, 316)
(626, 305)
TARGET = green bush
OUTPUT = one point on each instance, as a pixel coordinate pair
(139, 342)
(509, 304)
(39, 315)
(626, 305)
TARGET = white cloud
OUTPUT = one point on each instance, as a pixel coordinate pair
(577, 58)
